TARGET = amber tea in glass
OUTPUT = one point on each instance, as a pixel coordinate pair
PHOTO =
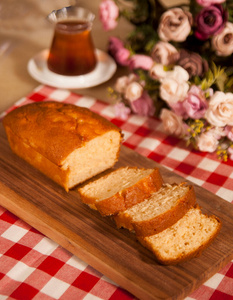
(72, 51)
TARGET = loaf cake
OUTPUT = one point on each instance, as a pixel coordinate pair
(185, 239)
(120, 189)
(69, 144)
(161, 210)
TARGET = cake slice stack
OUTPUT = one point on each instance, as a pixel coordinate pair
(165, 217)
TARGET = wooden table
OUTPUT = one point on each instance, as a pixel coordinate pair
(28, 33)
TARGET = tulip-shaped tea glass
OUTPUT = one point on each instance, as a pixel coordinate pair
(72, 51)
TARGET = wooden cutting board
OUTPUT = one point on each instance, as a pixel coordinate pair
(116, 253)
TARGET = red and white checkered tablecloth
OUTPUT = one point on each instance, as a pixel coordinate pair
(34, 267)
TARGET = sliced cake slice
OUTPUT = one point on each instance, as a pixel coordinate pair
(161, 210)
(120, 189)
(185, 239)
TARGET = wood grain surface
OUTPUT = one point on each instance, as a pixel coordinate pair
(116, 253)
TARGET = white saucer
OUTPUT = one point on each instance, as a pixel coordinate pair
(104, 70)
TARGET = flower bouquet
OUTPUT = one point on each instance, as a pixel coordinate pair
(180, 62)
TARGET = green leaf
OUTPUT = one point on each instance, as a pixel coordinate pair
(217, 76)
(229, 84)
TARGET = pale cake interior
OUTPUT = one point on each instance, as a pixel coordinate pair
(185, 236)
(159, 202)
(93, 158)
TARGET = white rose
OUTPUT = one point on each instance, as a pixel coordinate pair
(132, 77)
(174, 86)
(121, 84)
(220, 110)
(222, 43)
(172, 123)
(173, 91)
(178, 73)
(164, 53)
(207, 142)
(157, 72)
(133, 91)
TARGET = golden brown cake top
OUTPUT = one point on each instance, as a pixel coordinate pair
(56, 129)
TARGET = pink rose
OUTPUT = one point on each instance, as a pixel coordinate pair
(222, 43)
(175, 25)
(207, 142)
(229, 132)
(164, 53)
(122, 56)
(210, 21)
(205, 3)
(118, 51)
(172, 123)
(108, 13)
(122, 111)
(115, 44)
(143, 106)
(139, 61)
(218, 132)
(195, 103)
(179, 109)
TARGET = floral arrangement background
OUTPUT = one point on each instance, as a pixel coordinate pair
(180, 62)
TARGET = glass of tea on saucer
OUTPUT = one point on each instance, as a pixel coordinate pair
(72, 52)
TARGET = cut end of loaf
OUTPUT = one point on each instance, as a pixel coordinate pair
(94, 157)
(185, 239)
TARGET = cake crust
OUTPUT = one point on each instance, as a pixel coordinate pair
(47, 134)
(168, 218)
(124, 197)
(184, 256)
(132, 195)
(56, 129)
